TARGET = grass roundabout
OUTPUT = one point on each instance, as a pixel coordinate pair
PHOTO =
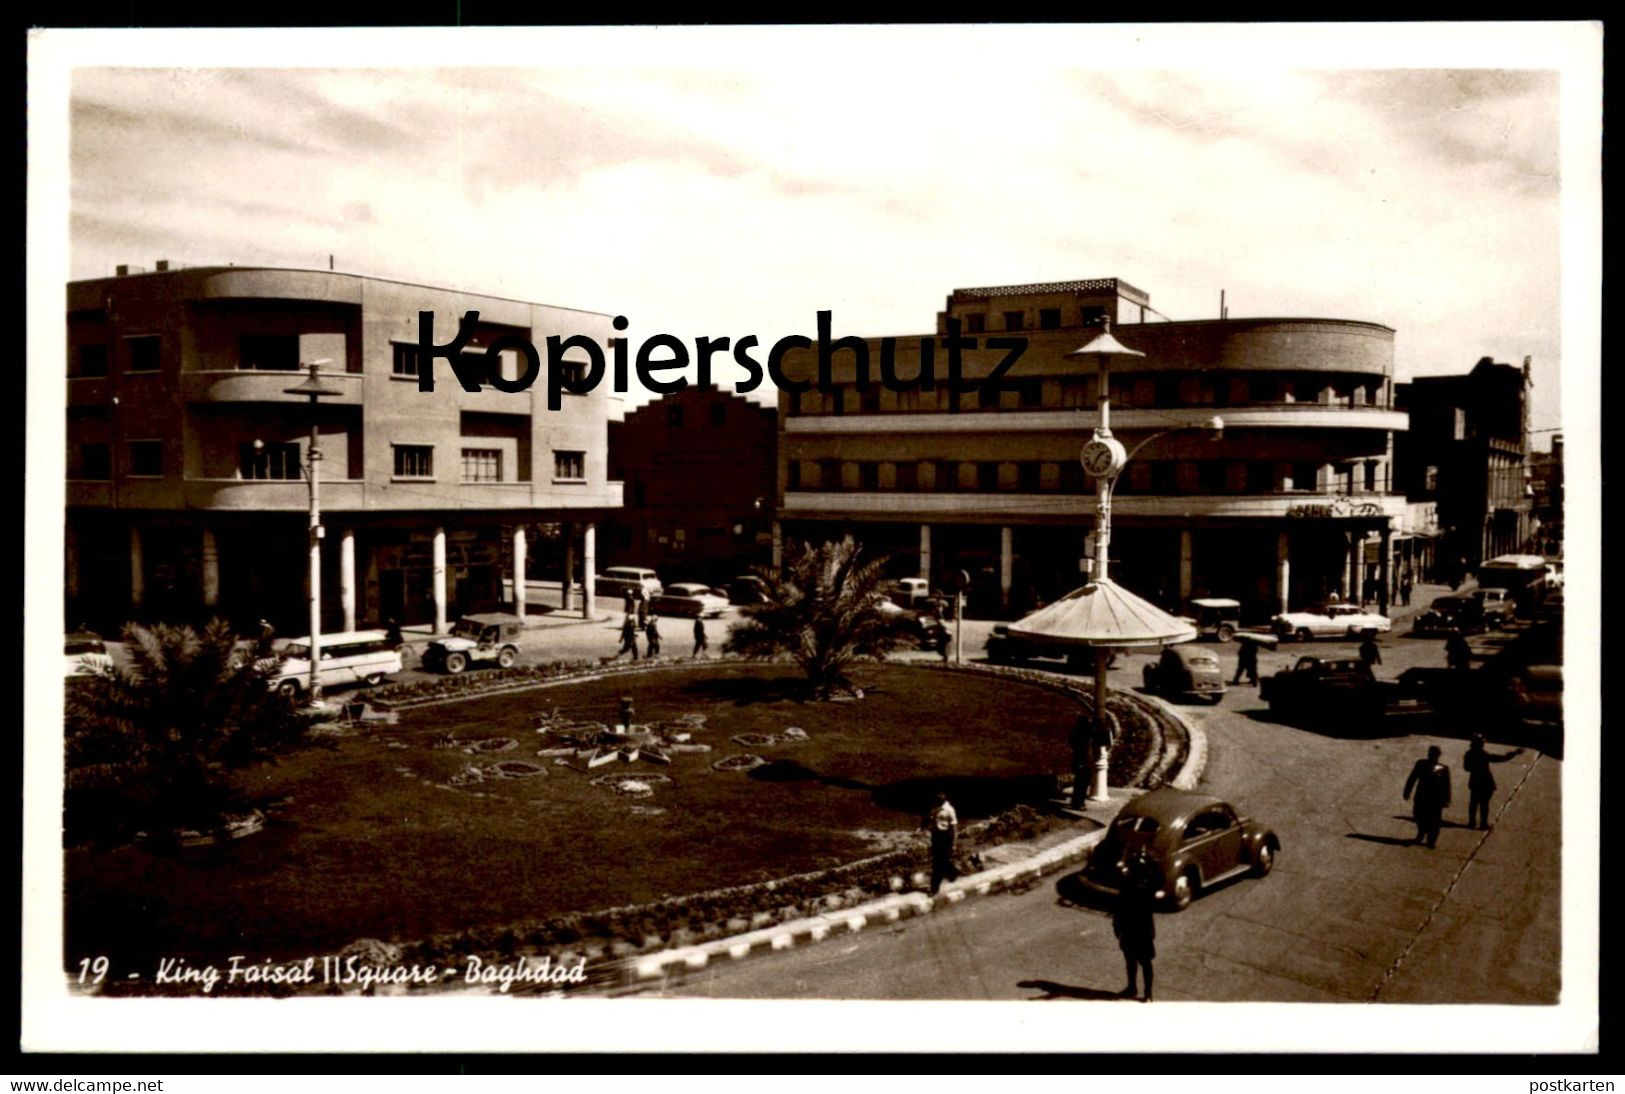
(416, 834)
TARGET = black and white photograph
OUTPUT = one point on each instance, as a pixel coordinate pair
(687, 538)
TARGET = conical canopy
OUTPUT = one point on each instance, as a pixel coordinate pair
(1103, 613)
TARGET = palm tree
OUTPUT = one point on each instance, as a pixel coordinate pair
(158, 738)
(824, 611)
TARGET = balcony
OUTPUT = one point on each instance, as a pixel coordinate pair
(1080, 421)
(292, 495)
(254, 386)
(966, 507)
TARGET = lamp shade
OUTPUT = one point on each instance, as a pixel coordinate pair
(1103, 613)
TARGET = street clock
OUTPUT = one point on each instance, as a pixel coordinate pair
(1103, 457)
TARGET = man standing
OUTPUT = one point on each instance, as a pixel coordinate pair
(1370, 653)
(701, 643)
(1481, 781)
(1246, 662)
(943, 823)
(1457, 653)
(266, 646)
(652, 632)
(1134, 922)
(1431, 781)
(629, 638)
(1405, 590)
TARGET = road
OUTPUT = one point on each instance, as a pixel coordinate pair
(1352, 912)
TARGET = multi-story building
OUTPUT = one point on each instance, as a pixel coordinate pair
(186, 453)
(1275, 512)
(698, 472)
(1546, 501)
(1465, 450)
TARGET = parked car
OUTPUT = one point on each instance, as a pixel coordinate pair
(690, 599)
(487, 638)
(1186, 671)
(1329, 621)
(1215, 617)
(620, 580)
(347, 658)
(747, 589)
(1449, 613)
(86, 654)
(1194, 841)
(1495, 606)
(909, 592)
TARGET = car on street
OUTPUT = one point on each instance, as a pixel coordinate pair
(620, 580)
(1495, 606)
(347, 658)
(747, 589)
(1456, 612)
(690, 599)
(1215, 617)
(1329, 621)
(1194, 841)
(86, 654)
(1186, 671)
(486, 638)
(909, 592)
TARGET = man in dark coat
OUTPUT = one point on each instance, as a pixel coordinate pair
(1481, 780)
(651, 631)
(1246, 662)
(1134, 921)
(1457, 653)
(701, 643)
(1370, 652)
(629, 638)
(1431, 781)
(943, 824)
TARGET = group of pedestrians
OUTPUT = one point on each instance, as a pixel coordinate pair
(640, 619)
(1430, 781)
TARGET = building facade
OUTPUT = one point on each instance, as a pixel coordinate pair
(698, 470)
(1546, 482)
(1466, 451)
(187, 494)
(1276, 512)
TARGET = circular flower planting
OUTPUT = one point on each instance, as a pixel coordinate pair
(517, 769)
(755, 740)
(493, 744)
(468, 776)
(738, 762)
(632, 786)
(794, 733)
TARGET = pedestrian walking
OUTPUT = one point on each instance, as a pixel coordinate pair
(392, 633)
(651, 632)
(1134, 922)
(1405, 591)
(1457, 653)
(1246, 663)
(1430, 779)
(1333, 598)
(939, 638)
(943, 823)
(1481, 780)
(629, 603)
(265, 647)
(701, 644)
(1370, 652)
(629, 638)
(643, 610)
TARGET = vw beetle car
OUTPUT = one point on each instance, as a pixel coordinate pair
(1186, 671)
(1194, 841)
(86, 654)
(489, 637)
(1215, 617)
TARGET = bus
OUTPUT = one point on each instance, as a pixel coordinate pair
(1522, 576)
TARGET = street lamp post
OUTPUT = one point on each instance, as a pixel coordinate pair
(315, 390)
(1104, 458)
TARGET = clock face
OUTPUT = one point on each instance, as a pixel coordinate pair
(1100, 458)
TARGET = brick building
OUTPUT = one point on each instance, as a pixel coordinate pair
(1466, 451)
(1275, 513)
(698, 470)
(186, 493)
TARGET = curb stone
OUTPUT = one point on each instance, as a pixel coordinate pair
(644, 971)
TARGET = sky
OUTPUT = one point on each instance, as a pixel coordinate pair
(868, 171)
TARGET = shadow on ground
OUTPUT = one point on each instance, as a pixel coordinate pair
(1052, 990)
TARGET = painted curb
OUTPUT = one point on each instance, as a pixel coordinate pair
(643, 971)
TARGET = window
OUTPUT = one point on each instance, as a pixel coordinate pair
(908, 476)
(835, 400)
(1091, 317)
(1304, 475)
(1166, 391)
(987, 477)
(829, 474)
(674, 416)
(90, 361)
(569, 465)
(869, 399)
(868, 476)
(414, 461)
(988, 398)
(1072, 477)
(1013, 320)
(1210, 477)
(570, 372)
(976, 323)
(144, 353)
(1030, 393)
(1430, 479)
(719, 414)
(404, 361)
(1260, 476)
(268, 352)
(1028, 476)
(1306, 391)
(794, 482)
(947, 475)
(95, 462)
(1049, 318)
(147, 458)
(268, 461)
(1261, 389)
(1164, 476)
(482, 465)
(1371, 475)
